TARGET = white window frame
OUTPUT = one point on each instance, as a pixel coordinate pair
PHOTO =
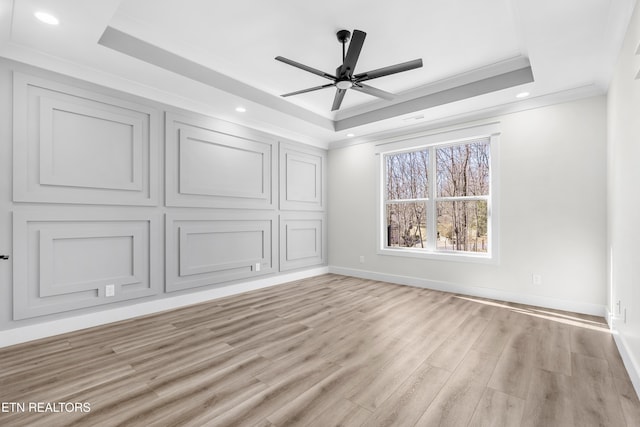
(432, 141)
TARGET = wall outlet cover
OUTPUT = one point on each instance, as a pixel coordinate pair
(110, 290)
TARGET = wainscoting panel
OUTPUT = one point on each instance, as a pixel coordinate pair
(76, 146)
(302, 177)
(207, 167)
(64, 262)
(148, 203)
(302, 240)
(211, 248)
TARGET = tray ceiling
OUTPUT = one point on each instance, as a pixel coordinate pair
(477, 55)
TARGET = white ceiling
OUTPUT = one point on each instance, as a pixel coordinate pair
(213, 56)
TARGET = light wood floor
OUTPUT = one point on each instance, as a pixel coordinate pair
(328, 351)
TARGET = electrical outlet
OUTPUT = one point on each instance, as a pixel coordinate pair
(257, 268)
(361, 259)
(110, 290)
(536, 279)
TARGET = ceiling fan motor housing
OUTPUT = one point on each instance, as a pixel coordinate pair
(343, 36)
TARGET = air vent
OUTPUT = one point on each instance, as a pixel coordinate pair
(413, 118)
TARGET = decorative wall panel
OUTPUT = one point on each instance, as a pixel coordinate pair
(77, 146)
(207, 249)
(207, 167)
(64, 262)
(302, 175)
(87, 173)
(302, 240)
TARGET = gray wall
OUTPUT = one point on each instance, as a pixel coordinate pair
(114, 191)
(624, 200)
(552, 217)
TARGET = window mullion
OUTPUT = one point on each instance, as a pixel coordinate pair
(431, 204)
(405, 200)
(463, 198)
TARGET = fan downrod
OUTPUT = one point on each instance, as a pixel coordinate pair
(343, 37)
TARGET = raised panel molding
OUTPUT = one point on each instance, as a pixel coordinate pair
(205, 249)
(64, 262)
(302, 240)
(81, 146)
(212, 165)
(239, 205)
(75, 258)
(302, 177)
(76, 146)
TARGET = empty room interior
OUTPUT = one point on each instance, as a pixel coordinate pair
(337, 213)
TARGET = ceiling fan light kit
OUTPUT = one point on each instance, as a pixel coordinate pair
(344, 77)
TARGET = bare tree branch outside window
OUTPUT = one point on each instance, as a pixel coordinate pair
(407, 186)
(460, 202)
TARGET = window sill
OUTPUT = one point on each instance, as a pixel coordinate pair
(440, 256)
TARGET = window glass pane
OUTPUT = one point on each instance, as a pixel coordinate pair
(462, 226)
(463, 170)
(406, 225)
(407, 175)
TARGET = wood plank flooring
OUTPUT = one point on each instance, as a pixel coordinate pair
(327, 351)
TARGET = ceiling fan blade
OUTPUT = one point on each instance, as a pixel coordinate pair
(385, 71)
(337, 100)
(350, 60)
(311, 89)
(360, 87)
(305, 68)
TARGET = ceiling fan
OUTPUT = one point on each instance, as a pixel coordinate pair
(345, 78)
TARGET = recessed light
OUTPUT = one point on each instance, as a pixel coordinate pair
(241, 109)
(46, 17)
(523, 95)
(351, 135)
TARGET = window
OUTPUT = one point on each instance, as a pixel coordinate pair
(437, 200)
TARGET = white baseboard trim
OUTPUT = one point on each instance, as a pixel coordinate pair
(609, 318)
(630, 363)
(55, 327)
(477, 291)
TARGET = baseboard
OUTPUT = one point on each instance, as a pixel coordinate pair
(69, 324)
(630, 363)
(477, 291)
